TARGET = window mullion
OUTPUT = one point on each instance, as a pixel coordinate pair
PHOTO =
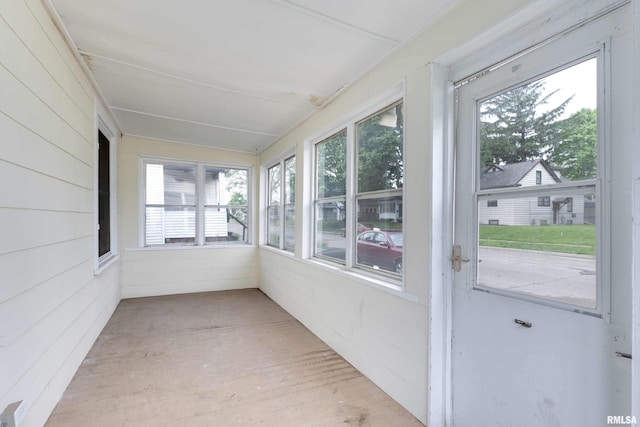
(200, 200)
(282, 201)
(350, 212)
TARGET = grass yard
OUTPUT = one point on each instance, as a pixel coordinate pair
(571, 239)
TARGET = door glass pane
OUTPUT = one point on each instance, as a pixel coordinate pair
(553, 119)
(533, 239)
(545, 250)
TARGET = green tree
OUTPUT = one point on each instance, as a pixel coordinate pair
(575, 150)
(331, 156)
(380, 157)
(516, 125)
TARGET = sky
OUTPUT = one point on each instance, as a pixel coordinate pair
(581, 80)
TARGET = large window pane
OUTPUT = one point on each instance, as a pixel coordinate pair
(330, 240)
(226, 199)
(166, 225)
(274, 225)
(170, 185)
(225, 225)
(331, 165)
(171, 199)
(379, 237)
(289, 203)
(224, 186)
(380, 158)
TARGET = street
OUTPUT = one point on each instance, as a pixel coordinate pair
(557, 276)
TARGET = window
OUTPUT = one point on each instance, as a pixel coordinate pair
(195, 204)
(106, 245)
(544, 201)
(492, 203)
(330, 204)
(371, 197)
(553, 133)
(281, 184)
(104, 196)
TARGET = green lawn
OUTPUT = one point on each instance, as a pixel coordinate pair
(572, 239)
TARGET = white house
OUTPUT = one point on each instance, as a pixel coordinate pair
(564, 208)
(92, 91)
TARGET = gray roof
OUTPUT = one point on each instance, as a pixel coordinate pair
(509, 175)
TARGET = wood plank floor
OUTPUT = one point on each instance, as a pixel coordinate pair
(218, 359)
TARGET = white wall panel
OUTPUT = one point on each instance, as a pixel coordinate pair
(52, 306)
(41, 155)
(53, 194)
(32, 24)
(52, 260)
(21, 63)
(34, 114)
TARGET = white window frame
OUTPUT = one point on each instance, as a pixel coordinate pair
(393, 96)
(282, 161)
(200, 167)
(109, 130)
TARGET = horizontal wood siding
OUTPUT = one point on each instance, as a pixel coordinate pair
(178, 271)
(52, 306)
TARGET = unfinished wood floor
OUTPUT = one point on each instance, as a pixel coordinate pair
(218, 359)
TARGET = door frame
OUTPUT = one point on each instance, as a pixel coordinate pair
(534, 24)
(635, 368)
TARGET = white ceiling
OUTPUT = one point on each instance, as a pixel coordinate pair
(233, 74)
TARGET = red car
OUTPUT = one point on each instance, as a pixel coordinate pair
(381, 250)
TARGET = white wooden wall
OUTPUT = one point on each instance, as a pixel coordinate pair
(52, 307)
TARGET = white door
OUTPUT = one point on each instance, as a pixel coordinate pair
(541, 301)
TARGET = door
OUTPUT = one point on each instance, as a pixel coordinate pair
(541, 309)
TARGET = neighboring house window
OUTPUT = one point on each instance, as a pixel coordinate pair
(492, 203)
(538, 177)
(570, 204)
(195, 204)
(494, 222)
(544, 201)
(373, 148)
(104, 196)
(281, 184)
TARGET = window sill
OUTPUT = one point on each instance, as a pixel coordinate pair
(277, 251)
(187, 248)
(105, 263)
